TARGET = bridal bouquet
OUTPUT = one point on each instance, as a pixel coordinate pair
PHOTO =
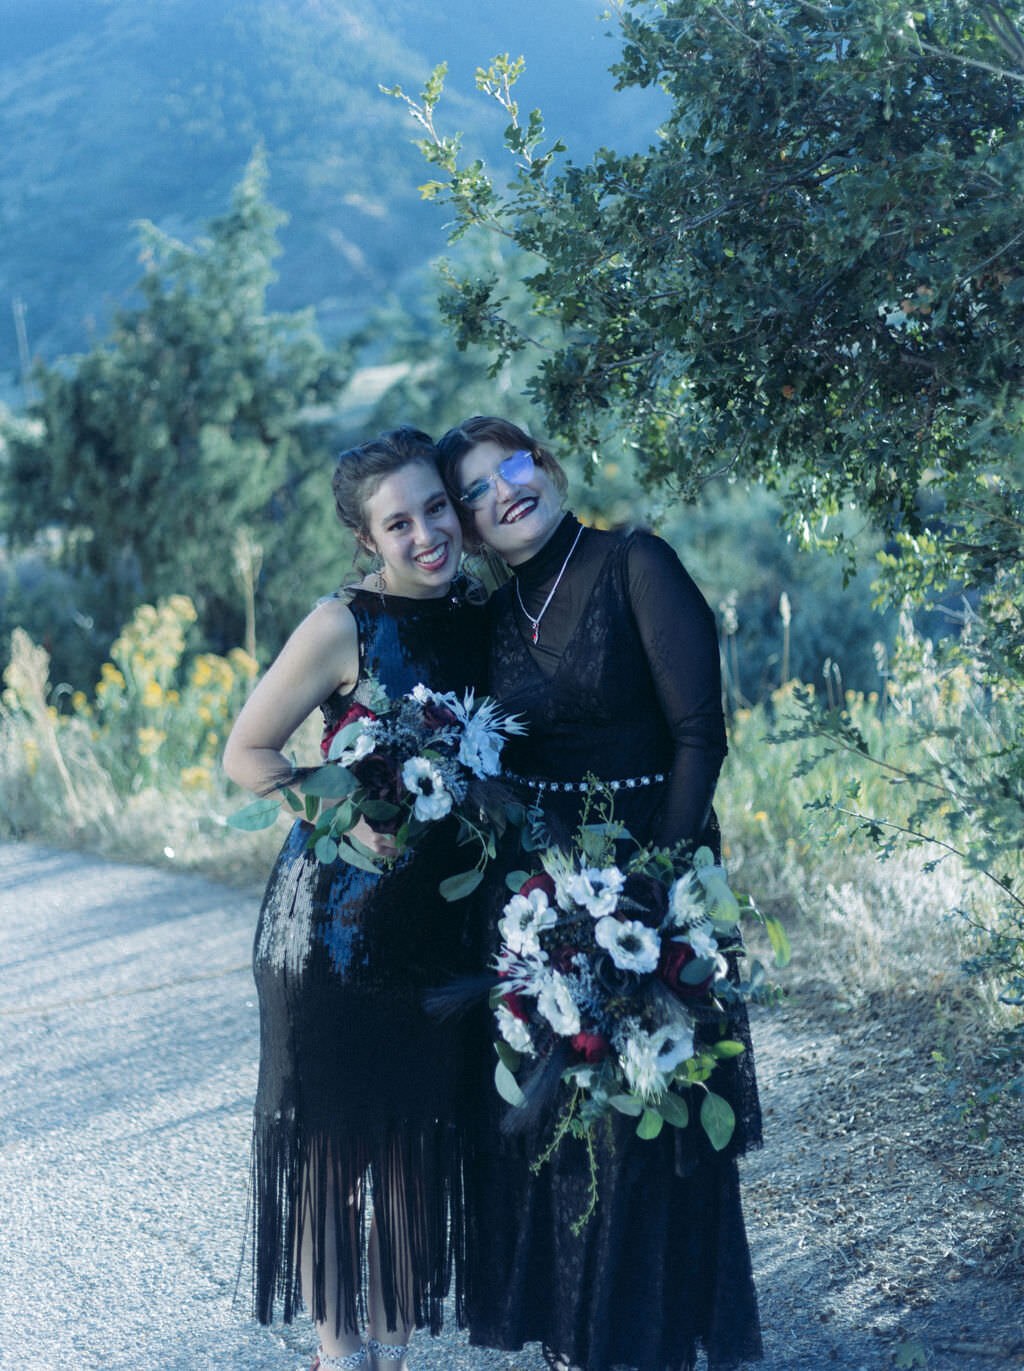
(402, 768)
(614, 981)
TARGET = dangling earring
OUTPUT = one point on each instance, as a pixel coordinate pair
(379, 584)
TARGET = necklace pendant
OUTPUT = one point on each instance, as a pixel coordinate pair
(536, 633)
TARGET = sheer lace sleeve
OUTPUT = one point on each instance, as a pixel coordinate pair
(678, 632)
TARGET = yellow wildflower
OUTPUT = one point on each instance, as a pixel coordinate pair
(195, 778)
(244, 664)
(150, 740)
(79, 702)
(31, 755)
(152, 695)
(110, 675)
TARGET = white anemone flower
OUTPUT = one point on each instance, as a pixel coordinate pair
(514, 1031)
(674, 1044)
(422, 777)
(631, 945)
(526, 917)
(648, 1059)
(596, 890)
(557, 1005)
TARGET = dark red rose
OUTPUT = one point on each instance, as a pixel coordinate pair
(438, 716)
(675, 957)
(592, 1047)
(542, 881)
(354, 712)
(650, 898)
(563, 958)
(381, 779)
(514, 1004)
(616, 980)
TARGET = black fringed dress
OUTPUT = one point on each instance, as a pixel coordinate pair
(623, 682)
(357, 1083)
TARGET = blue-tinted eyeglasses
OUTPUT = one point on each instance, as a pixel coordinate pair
(513, 471)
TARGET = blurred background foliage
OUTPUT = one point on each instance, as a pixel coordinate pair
(816, 396)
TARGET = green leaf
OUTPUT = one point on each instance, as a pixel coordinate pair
(349, 852)
(717, 1120)
(726, 1048)
(329, 782)
(345, 738)
(379, 810)
(508, 1055)
(650, 1124)
(696, 971)
(458, 887)
(508, 1086)
(515, 880)
(778, 939)
(627, 1104)
(260, 814)
(292, 800)
(326, 851)
(674, 1109)
(312, 808)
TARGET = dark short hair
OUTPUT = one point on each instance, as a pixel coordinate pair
(483, 428)
(360, 470)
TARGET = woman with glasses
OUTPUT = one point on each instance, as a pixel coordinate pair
(605, 646)
(359, 1088)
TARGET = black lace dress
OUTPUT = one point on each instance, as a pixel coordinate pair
(357, 1083)
(622, 682)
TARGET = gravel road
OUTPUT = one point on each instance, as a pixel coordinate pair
(128, 1065)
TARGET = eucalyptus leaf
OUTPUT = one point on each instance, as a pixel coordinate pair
(778, 939)
(696, 971)
(259, 814)
(726, 1048)
(515, 880)
(349, 852)
(650, 1124)
(326, 851)
(312, 808)
(379, 810)
(346, 738)
(292, 800)
(329, 782)
(627, 1104)
(717, 1119)
(508, 1086)
(508, 1055)
(458, 887)
(674, 1109)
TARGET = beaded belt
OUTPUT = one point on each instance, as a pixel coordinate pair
(581, 787)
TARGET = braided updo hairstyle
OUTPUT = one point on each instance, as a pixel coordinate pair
(360, 470)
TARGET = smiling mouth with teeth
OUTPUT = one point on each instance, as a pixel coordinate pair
(434, 558)
(519, 510)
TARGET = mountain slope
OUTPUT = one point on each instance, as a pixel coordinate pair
(113, 110)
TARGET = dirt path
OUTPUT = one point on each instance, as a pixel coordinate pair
(881, 1232)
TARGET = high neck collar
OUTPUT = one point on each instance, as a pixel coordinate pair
(546, 564)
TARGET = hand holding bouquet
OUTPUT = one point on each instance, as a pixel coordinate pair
(402, 769)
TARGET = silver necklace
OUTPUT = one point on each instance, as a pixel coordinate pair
(535, 622)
